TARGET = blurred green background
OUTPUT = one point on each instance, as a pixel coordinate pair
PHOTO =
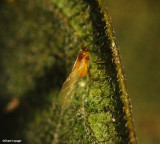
(137, 29)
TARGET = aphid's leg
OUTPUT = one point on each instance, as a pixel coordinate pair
(98, 62)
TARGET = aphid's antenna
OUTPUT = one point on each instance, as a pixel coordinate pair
(93, 41)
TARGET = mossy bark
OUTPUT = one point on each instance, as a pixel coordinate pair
(40, 41)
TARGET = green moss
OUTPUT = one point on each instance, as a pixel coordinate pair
(93, 71)
(96, 101)
(99, 124)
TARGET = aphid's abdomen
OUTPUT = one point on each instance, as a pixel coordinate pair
(84, 71)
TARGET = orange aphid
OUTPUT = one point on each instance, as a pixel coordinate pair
(79, 70)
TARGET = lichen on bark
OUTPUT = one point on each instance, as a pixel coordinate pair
(47, 39)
